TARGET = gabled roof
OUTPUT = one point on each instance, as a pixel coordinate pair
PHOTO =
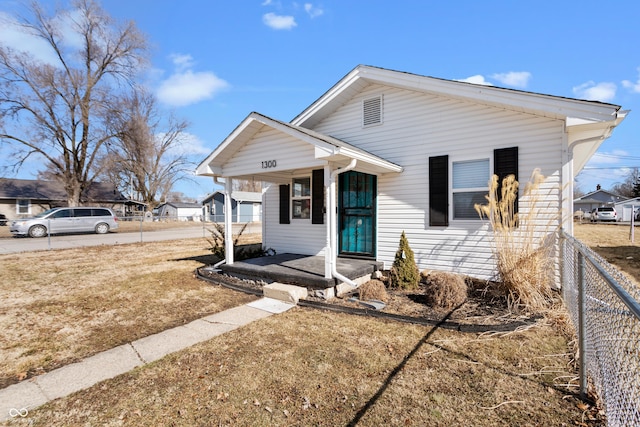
(240, 196)
(325, 146)
(513, 99)
(51, 190)
(182, 205)
(588, 123)
(590, 196)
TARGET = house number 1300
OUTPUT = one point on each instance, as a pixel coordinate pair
(268, 164)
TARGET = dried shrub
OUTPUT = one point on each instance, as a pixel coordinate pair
(404, 273)
(444, 290)
(373, 289)
(522, 242)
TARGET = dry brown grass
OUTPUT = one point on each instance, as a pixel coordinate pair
(613, 243)
(60, 306)
(308, 367)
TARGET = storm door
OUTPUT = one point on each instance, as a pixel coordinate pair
(357, 214)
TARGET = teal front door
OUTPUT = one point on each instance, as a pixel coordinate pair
(357, 214)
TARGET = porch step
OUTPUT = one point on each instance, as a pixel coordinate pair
(283, 292)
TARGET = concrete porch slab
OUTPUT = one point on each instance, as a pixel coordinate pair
(301, 270)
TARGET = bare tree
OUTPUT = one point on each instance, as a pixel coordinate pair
(247, 185)
(630, 187)
(59, 108)
(147, 160)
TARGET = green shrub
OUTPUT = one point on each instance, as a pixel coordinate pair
(404, 273)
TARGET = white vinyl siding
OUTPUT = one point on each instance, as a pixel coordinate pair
(418, 126)
(298, 237)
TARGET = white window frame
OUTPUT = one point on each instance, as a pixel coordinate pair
(468, 189)
(295, 198)
(19, 205)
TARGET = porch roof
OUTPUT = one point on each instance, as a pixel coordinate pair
(326, 148)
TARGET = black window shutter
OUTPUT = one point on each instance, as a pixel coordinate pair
(284, 204)
(439, 191)
(505, 163)
(317, 197)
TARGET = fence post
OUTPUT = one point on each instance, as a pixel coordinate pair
(141, 222)
(582, 326)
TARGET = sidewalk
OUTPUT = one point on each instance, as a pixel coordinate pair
(16, 400)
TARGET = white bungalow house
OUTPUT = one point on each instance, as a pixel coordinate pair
(180, 211)
(383, 152)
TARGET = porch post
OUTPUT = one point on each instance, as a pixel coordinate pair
(228, 221)
(328, 248)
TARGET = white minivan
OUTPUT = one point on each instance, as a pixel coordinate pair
(66, 220)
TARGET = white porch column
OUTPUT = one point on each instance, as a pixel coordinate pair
(228, 221)
(328, 248)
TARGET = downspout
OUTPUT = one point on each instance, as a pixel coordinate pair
(333, 222)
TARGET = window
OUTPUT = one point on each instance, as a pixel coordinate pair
(470, 185)
(301, 198)
(23, 206)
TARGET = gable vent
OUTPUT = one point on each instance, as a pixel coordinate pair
(372, 111)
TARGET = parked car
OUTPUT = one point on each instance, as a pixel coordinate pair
(604, 213)
(66, 220)
(3, 219)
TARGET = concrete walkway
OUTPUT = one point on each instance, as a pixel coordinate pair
(17, 400)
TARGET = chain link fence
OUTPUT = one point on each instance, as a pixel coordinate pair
(603, 305)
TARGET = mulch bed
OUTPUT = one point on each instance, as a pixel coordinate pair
(485, 305)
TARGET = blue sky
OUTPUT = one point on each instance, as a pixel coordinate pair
(213, 62)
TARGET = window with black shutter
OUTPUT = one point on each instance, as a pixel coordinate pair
(439, 191)
(284, 204)
(505, 163)
(317, 196)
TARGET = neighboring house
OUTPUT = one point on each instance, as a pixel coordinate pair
(595, 199)
(626, 208)
(382, 152)
(180, 211)
(246, 206)
(25, 197)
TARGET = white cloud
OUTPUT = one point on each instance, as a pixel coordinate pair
(633, 87)
(518, 79)
(279, 22)
(181, 62)
(185, 87)
(477, 79)
(604, 91)
(17, 38)
(313, 11)
(187, 144)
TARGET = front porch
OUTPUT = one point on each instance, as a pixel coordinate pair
(301, 270)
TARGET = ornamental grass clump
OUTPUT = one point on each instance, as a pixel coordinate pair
(404, 273)
(522, 241)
